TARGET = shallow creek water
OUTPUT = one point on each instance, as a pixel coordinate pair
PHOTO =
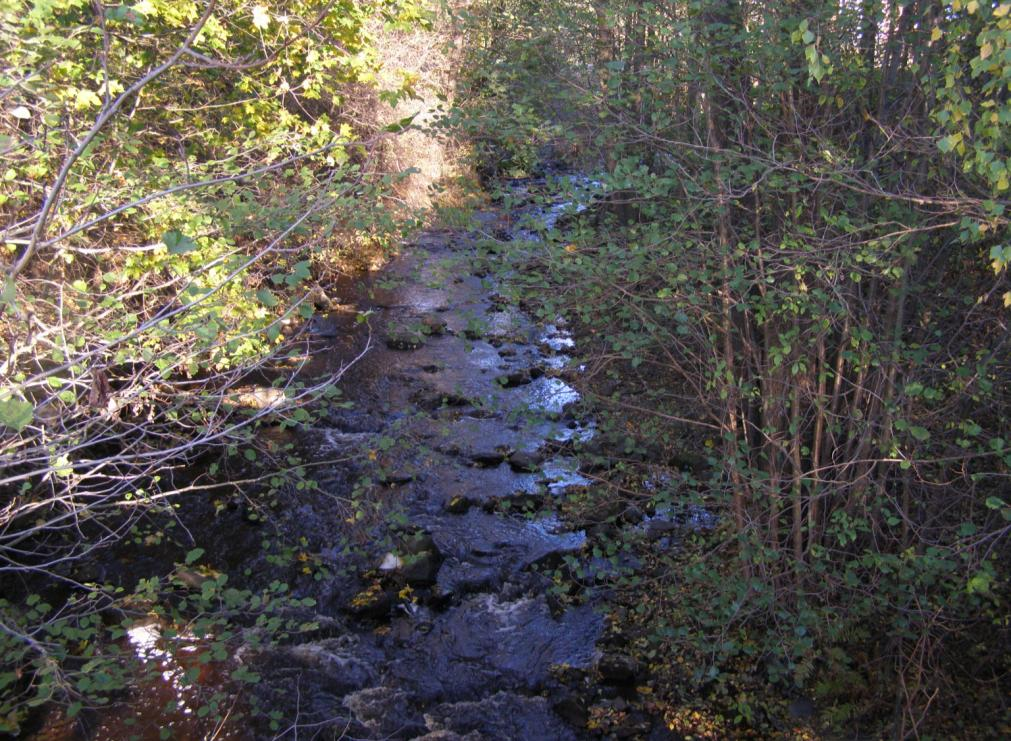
(476, 395)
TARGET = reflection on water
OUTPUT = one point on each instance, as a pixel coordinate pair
(557, 339)
(551, 527)
(550, 395)
(563, 473)
(179, 695)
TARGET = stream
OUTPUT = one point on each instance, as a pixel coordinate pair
(469, 386)
(438, 622)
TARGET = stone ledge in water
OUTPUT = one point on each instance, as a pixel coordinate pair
(450, 736)
(508, 543)
(487, 643)
(457, 578)
(502, 717)
(562, 474)
(526, 461)
(386, 712)
(550, 396)
(433, 324)
(346, 663)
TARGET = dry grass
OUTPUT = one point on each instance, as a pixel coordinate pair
(423, 62)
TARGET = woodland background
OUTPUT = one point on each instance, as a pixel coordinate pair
(797, 274)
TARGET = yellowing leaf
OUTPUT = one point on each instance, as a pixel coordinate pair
(1002, 10)
(86, 99)
(62, 466)
(972, 7)
(936, 34)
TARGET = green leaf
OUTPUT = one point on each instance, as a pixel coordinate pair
(995, 503)
(194, 555)
(401, 125)
(178, 243)
(62, 466)
(16, 414)
(267, 298)
(948, 143)
(8, 293)
(299, 273)
(920, 433)
(125, 14)
(980, 583)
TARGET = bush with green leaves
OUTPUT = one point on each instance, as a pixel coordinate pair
(177, 175)
(799, 261)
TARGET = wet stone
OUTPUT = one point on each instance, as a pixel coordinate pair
(431, 400)
(465, 378)
(457, 578)
(514, 379)
(489, 458)
(432, 324)
(374, 601)
(347, 662)
(472, 485)
(324, 326)
(510, 544)
(502, 717)
(458, 505)
(548, 395)
(618, 668)
(386, 713)
(404, 339)
(526, 461)
(488, 642)
(420, 569)
(562, 474)
(572, 708)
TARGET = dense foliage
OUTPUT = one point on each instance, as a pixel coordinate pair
(799, 265)
(177, 174)
(790, 281)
